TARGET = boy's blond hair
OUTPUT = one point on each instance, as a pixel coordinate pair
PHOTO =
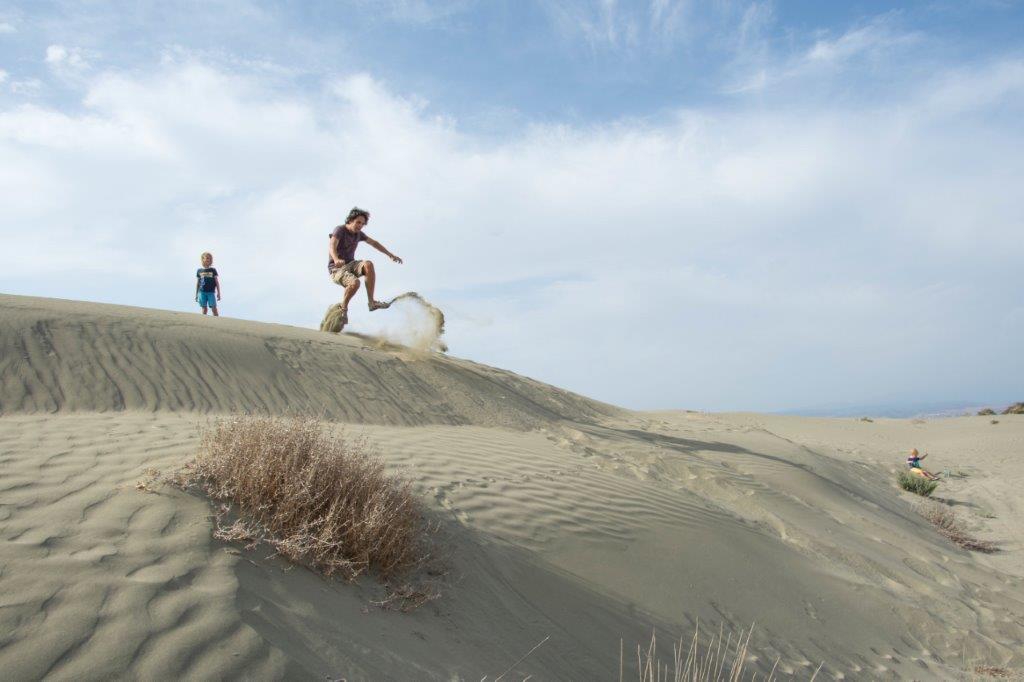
(204, 254)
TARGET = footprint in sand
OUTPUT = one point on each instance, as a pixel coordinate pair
(442, 499)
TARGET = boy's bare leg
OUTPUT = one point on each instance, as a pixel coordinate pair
(204, 311)
(371, 279)
(215, 313)
(350, 291)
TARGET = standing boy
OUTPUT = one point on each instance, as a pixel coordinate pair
(342, 265)
(207, 284)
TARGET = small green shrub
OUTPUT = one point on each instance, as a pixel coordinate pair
(917, 484)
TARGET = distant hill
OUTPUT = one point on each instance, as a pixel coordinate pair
(949, 408)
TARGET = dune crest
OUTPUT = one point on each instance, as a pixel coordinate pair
(65, 355)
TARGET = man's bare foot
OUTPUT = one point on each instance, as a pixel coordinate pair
(344, 316)
(377, 305)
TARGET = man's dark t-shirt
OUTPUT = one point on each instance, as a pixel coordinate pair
(207, 279)
(347, 243)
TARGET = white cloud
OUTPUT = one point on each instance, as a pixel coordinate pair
(27, 87)
(55, 54)
(61, 58)
(7, 27)
(726, 257)
(3, 76)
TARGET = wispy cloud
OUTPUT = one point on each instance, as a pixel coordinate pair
(601, 24)
(756, 19)
(759, 65)
(26, 87)
(960, 91)
(420, 11)
(878, 37)
(671, 20)
(651, 27)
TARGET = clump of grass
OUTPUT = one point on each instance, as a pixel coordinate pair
(719, 660)
(917, 484)
(318, 498)
(992, 671)
(945, 520)
(867, 419)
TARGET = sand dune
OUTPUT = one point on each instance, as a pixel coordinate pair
(565, 518)
(65, 355)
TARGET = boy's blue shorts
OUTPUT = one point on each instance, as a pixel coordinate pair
(207, 299)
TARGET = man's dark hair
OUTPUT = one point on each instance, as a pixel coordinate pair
(355, 213)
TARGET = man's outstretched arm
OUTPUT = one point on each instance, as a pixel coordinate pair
(383, 249)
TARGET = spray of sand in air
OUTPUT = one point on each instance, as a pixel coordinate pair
(418, 324)
(421, 326)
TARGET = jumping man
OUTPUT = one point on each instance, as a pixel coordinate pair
(344, 269)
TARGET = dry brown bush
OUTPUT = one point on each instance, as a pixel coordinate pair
(948, 525)
(318, 498)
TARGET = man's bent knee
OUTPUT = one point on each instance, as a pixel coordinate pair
(367, 265)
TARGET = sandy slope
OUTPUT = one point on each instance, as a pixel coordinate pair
(566, 518)
(69, 355)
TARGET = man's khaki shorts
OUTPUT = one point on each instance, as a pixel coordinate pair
(348, 273)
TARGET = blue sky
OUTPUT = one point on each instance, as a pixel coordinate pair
(714, 205)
